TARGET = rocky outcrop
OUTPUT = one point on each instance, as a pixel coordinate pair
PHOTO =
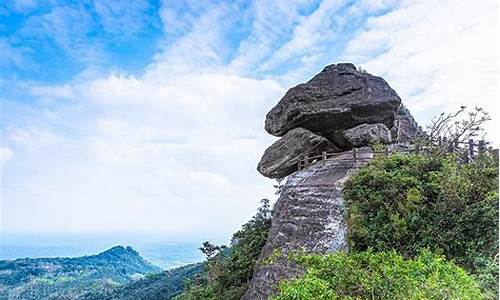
(309, 216)
(366, 134)
(282, 157)
(339, 97)
(340, 108)
(405, 128)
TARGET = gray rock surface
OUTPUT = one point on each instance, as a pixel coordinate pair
(309, 216)
(281, 158)
(339, 108)
(366, 134)
(339, 97)
(405, 128)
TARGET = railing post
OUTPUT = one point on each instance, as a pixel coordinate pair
(355, 154)
(306, 161)
(481, 146)
(324, 155)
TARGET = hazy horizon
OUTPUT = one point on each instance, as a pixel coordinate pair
(164, 252)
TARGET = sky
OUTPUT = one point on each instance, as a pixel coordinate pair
(147, 116)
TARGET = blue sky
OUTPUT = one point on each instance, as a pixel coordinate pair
(147, 116)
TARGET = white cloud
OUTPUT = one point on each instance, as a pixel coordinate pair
(123, 18)
(63, 91)
(12, 55)
(151, 156)
(5, 154)
(436, 59)
(273, 22)
(310, 31)
(377, 5)
(69, 28)
(198, 50)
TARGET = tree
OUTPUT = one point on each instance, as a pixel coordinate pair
(449, 131)
(229, 269)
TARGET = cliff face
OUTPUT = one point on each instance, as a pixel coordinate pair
(309, 216)
(338, 109)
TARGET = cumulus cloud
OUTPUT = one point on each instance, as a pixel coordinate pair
(150, 156)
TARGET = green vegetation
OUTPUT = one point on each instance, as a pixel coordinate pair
(404, 209)
(229, 269)
(158, 286)
(411, 202)
(383, 275)
(71, 278)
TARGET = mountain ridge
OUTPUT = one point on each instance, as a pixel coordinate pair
(68, 278)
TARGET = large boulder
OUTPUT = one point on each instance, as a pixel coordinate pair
(367, 134)
(405, 128)
(339, 97)
(282, 157)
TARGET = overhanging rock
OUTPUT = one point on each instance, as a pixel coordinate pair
(339, 97)
(282, 157)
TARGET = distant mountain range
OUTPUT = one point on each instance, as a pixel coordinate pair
(117, 273)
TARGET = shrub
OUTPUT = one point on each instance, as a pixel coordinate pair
(383, 275)
(230, 269)
(411, 202)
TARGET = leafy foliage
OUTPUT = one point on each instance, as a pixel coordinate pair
(229, 269)
(383, 275)
(412, 202)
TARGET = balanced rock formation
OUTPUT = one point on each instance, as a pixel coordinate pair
(282, 157)
(308, 216)
(339, 97)
(338, 109)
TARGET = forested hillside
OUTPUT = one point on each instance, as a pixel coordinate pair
(158, 286)
(71, 278)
